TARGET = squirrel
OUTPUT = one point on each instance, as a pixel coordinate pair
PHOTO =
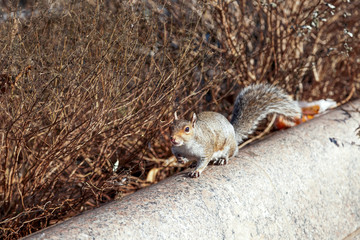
(209, 136)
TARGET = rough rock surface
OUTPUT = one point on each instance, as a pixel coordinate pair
(302, 183)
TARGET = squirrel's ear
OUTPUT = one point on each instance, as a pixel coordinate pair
(193, 120)
(176, 116)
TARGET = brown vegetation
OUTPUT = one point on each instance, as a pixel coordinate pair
(87, 91)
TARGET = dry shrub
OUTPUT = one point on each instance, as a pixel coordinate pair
(94, 97)
(304, 46)
(88, 91)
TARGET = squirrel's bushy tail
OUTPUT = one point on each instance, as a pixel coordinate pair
(255, 102)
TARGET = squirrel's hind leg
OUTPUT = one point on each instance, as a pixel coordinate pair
(221, 160)
(221, 157)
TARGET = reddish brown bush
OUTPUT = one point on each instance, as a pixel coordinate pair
(88, 90)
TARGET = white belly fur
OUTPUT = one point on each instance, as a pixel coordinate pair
(221, 154)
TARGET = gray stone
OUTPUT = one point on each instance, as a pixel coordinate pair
(302, 183)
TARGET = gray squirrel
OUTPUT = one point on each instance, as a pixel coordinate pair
(209, 136)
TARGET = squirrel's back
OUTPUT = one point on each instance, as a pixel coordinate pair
(215, 128)
(214, 121)
(255, 102)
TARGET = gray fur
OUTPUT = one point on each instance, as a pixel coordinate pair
(213, 140)
(254, 103)
(209, 136)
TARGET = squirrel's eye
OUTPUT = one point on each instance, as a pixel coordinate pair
(187, 129)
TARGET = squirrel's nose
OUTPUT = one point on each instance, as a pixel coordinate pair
(173, 140)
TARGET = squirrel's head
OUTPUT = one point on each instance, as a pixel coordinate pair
(182, 131)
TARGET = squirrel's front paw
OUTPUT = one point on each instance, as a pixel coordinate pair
(194, 174)
(181, 159)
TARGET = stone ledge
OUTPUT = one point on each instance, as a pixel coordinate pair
(302, 183)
